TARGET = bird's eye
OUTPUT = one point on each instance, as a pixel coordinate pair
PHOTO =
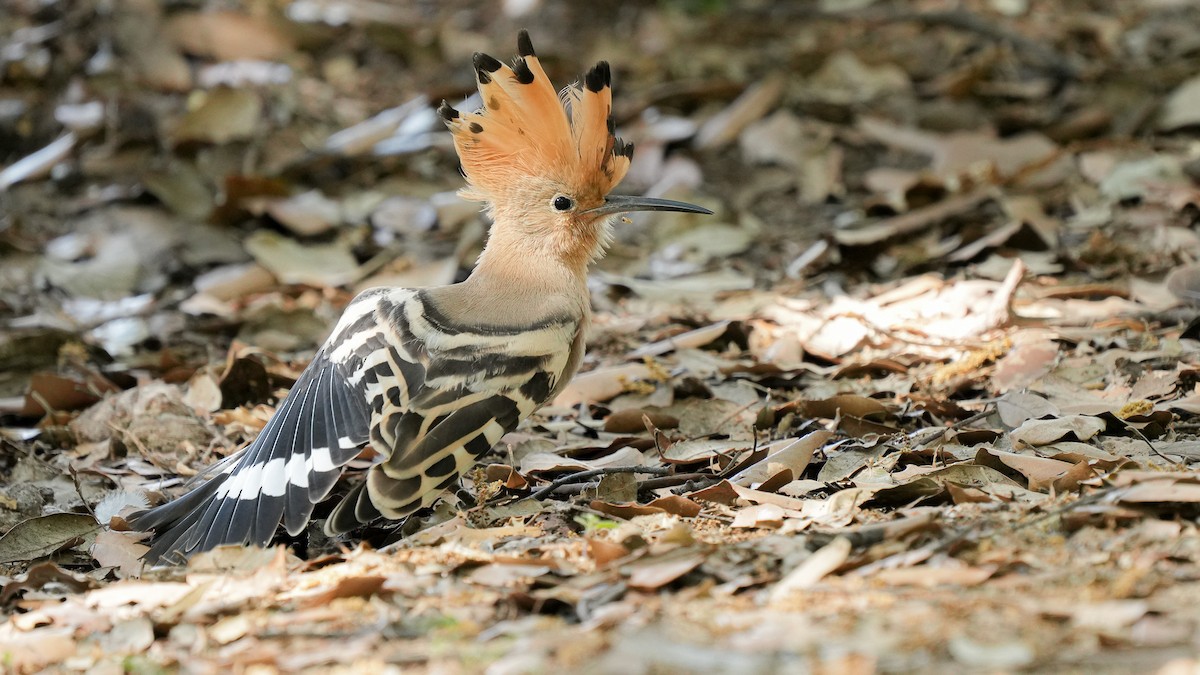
(563, 203)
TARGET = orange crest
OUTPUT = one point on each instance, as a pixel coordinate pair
(526, 129)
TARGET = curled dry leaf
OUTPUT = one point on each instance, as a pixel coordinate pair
(1041, 472)
(507, 475)
(793, 455)
(1044, 432)
(674, 504)
(692, 339)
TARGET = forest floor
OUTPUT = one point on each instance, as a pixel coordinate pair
(922, 396)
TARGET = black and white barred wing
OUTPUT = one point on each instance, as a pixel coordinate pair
(478, 383)
(324, 422)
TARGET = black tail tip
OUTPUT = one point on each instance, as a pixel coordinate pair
(599, 77)
(524, 44)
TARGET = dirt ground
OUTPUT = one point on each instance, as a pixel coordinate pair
(922, 396)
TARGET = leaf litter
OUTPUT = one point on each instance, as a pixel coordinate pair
(922, 396)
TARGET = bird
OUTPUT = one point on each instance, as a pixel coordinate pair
(430, 379)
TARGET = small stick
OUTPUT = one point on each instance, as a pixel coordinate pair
(592, 473)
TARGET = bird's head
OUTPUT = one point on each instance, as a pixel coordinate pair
(545, 161)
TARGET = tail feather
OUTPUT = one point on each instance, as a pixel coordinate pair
(291, 466)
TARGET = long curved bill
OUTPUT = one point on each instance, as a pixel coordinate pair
(627, 203)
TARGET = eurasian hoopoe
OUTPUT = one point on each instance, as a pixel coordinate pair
(432, 378)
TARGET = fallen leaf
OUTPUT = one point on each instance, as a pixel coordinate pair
(1044, 432)
(823, 562)
(794, 455)
(759, 516)
(755, 102)
(119, 550)
(228, 36)
(224, 115)
(1041, 472)
(45, 535)
(652, 573)
(1015, 408)
(605, 552)
(601, 384)
(1180, 108)
(320, 265)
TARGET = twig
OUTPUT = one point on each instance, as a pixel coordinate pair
(685, 479)
(725, 420)
(964, 533)
(674, 480)
(1147, 441)
(592, 473)
(79, 491)
(942, 431)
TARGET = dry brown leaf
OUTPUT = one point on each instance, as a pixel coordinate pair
(767, 516)
(844, 404)
(1030, 358)
(692, 339)
(605, 552)
(228, 36)
(915, 220)
(1163, 491)
(505, 575)
(927, 576)
(31, 651)
(1044, 432)
(652, 573)
(696, 450)
(630, 421)
(544, 462)
(1041, 472)
(503, 473)
(601, 384)
(755, 102)
(673, 504)
(42, 536)
(1015, 408)
(294, 263)
(815, 567)
(120, 550)
(224, 115)
(793, 455)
